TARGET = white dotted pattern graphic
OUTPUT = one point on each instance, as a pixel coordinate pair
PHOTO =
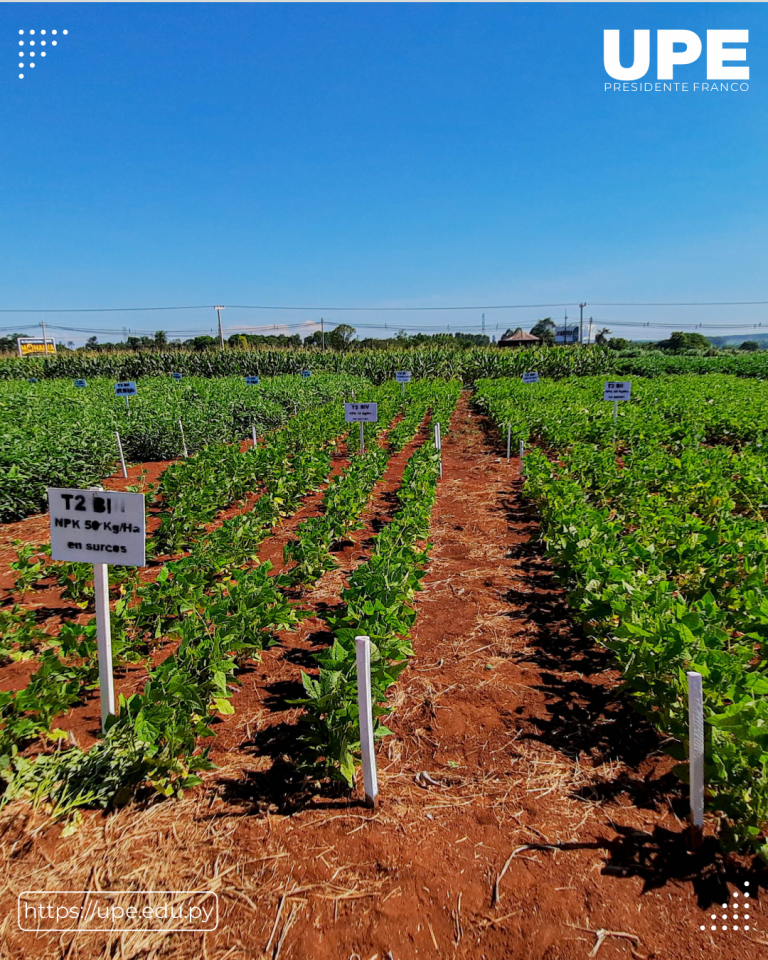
(740, 913)
(31, 53)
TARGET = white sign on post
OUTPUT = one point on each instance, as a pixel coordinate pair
(176, 376)
(252, 381)
(99, 527)
(617, 391)
(531, 377)
(80, 383)
(126, 388)
(306, 373)
(403, 376)
(361, 412)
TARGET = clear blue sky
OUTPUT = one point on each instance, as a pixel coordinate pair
(373, 154)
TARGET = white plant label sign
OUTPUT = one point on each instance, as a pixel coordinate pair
(361, 412)
(617, 391)
(126, 388)
(97, 526)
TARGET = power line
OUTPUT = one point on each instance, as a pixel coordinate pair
(361, 309)
(680, 303)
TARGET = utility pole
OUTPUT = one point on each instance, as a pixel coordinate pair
(221, 332)
(322, 327)
(483, 324)
(581, 324)
(589, 335)
(45, 342)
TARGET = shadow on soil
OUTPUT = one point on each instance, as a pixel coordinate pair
(586, 716)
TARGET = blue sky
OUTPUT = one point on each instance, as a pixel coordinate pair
(335, 155)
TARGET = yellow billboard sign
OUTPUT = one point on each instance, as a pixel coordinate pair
(34, 346)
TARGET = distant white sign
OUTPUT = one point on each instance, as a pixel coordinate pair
(252, 381)
(306, 373)
(403, 376)
(617, 391)
(532, 377)
(126, 388)
(176, 376)
(97, 526)
(81, 383)
(567, 334)
(361, 412)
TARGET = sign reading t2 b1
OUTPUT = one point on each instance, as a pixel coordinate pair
(97, 526)
(361, 412)
(531, 377)
(617, 391)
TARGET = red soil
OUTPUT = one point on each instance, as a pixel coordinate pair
(525, 810)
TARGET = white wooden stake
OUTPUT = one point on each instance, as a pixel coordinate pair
(362, 438)
(439, 447)
(253, 433)
(696, 753)
(403, 386)
(615, 409)
(127, 406)
(122, 458)
(509, 440)
(183, 441)
(365, 710)
(104, 640)
(295, 408)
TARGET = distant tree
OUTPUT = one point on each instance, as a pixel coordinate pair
(601, 336)
(340, 337)
(472, 339)
(160, 338)
(619, 343)
(199, 343)
(680, 340)
(749, 345)
(402, 336)
(92, 343)
(8, 344)
(544, 330)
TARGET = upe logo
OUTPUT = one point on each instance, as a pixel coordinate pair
(677, 48)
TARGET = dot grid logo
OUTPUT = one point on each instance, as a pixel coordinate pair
(32, 45)
(678, 49)
(740, 917)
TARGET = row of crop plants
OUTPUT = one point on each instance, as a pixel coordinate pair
(56, 434)
(657, 524)
(377, 365)
(378, 603)
(221, 606)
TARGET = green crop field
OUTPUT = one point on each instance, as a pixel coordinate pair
(657, 524)
(217, 607)
(654, 520)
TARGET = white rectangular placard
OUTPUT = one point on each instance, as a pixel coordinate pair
(531, 377)
(126, 388)
(306, 373)
(617, 391)
(97, 526)
(361, 412)
(252, 381)
(80, 383)
(176, 376)
(403, 376)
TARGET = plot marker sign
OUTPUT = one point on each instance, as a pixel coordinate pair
(99, 527)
